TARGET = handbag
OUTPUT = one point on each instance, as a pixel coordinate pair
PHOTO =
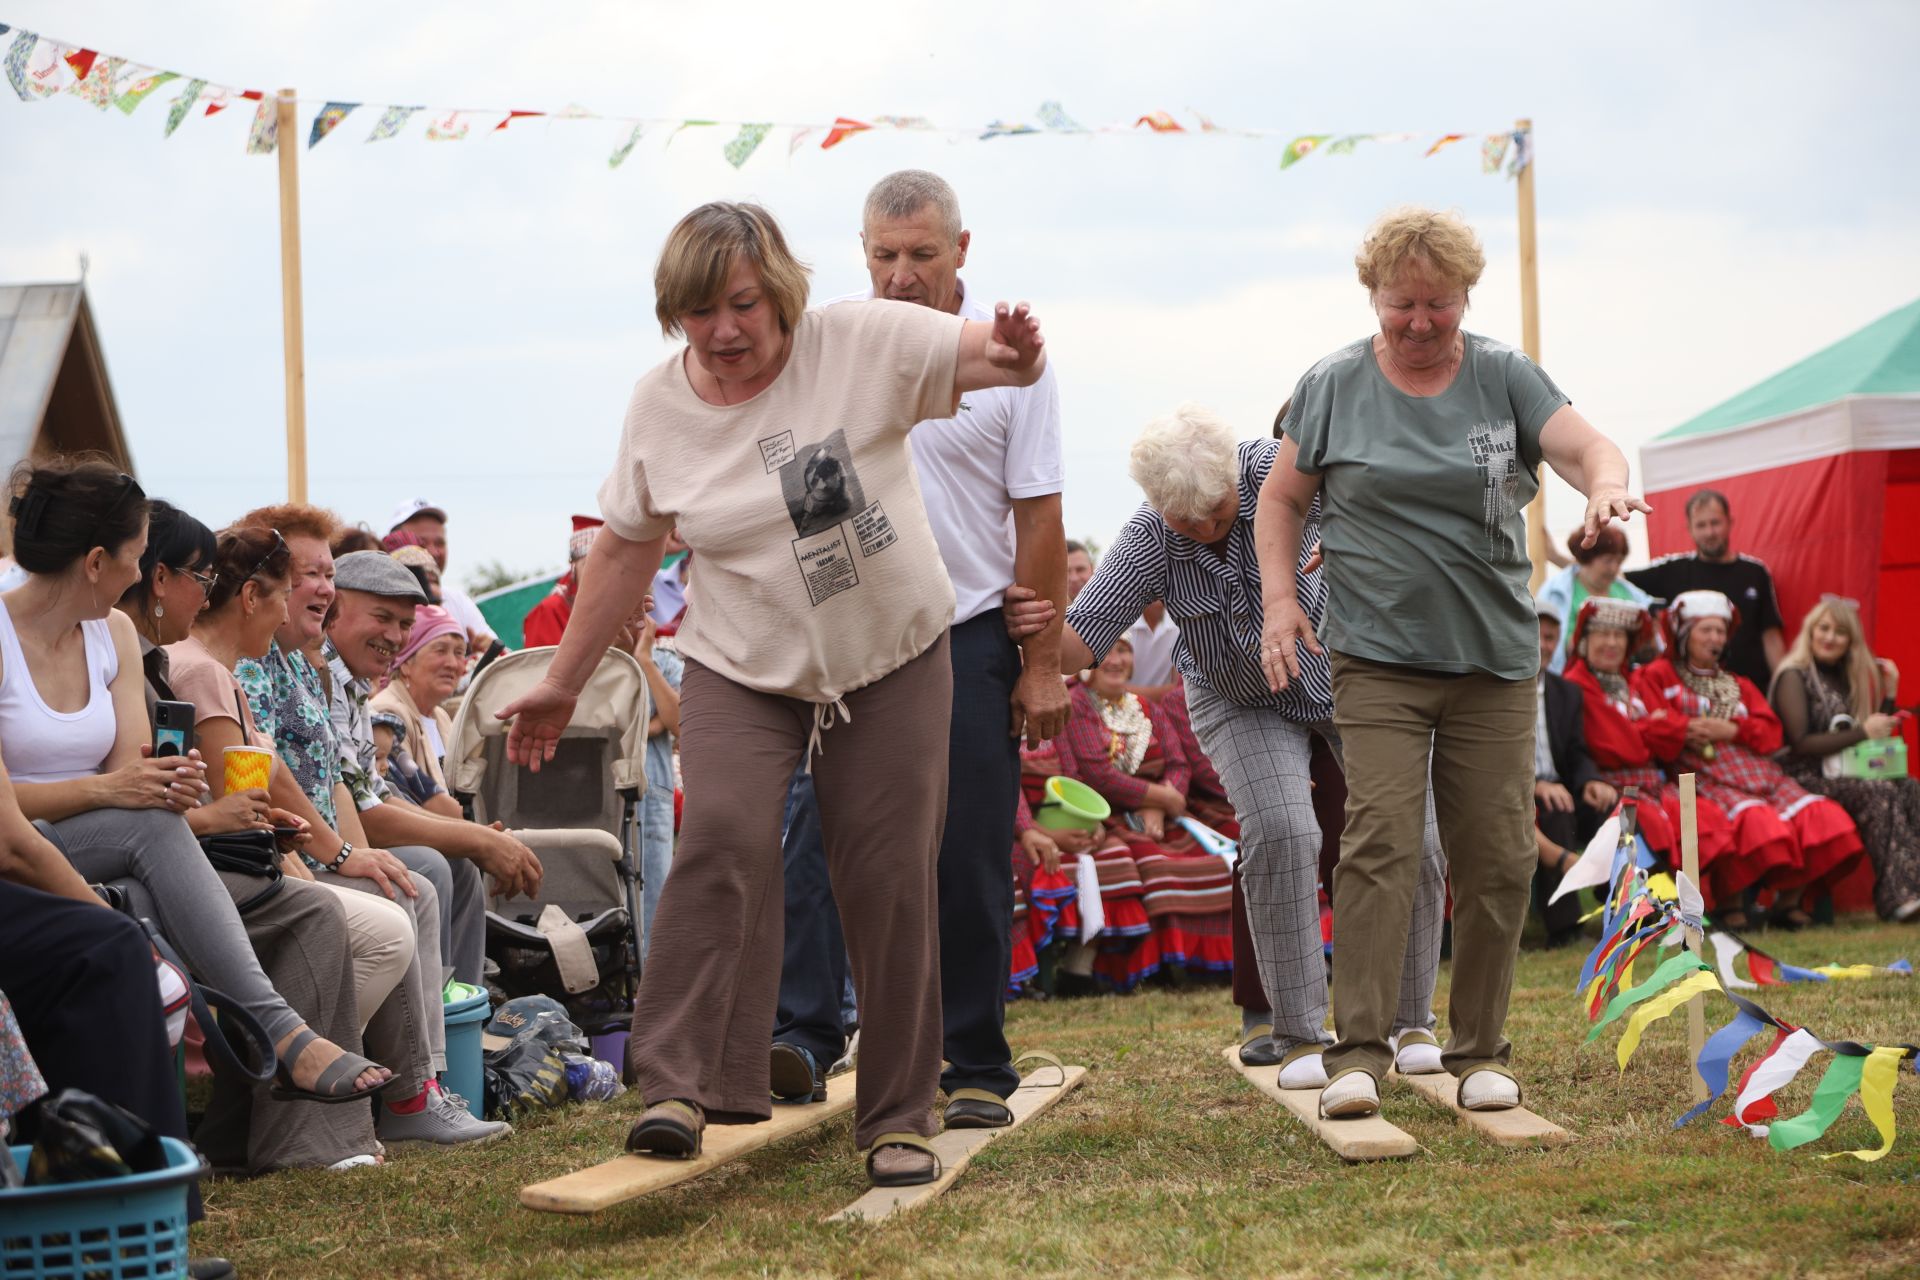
(249, 853)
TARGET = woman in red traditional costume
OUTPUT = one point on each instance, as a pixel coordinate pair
(1784, 837)
(1625, 739)
(1124, 750)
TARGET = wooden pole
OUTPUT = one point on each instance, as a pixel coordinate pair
(1690, 867)
(1530, 341)
(287, 147)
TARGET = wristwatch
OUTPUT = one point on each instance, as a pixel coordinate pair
(346, 851)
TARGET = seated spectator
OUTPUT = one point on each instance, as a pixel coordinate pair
(316, 948)
(1627, 741)
(426, 672)
(1124, 752)
(1570, 799)
(411, 1020)
(71, 703)
(420, 563)
(427, 524)
(290, 692)
(1206, 794)
(348, 539)
(1595, 572)
(1831, 694)
(394, 761)
(1124, 952)
(1784, 837)
(80, 981)
(546, 622)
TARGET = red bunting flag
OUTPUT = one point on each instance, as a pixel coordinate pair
(843, 129)
(1446, 140)
(515, 115)
(252, 95)
(1159, 122)
(81, 60)
(1764, 968)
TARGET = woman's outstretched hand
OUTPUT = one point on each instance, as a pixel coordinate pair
(1609, 503)
(1015, 342)
(538, 720)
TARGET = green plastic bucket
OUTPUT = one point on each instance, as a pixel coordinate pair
(465, 1016)
(1072, 806)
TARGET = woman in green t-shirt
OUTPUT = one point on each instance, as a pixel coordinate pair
(1424, 443)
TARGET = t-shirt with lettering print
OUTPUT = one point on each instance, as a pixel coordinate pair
(818, 573)
(1426, 551)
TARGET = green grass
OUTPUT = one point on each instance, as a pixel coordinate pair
(1165, 1162)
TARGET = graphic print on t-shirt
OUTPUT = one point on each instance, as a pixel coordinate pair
(819, 484)
(777, 451)
(826, 563)
(1496, 451)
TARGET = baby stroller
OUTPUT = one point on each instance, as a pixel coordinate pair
(579, 942)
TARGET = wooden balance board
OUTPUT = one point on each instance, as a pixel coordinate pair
(957, 1147)
(1514, 1127)
(1368, 1138)
(628, 1177)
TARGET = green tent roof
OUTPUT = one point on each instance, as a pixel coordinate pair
(1881, 359)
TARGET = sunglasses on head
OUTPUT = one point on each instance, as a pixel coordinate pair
(278, 545)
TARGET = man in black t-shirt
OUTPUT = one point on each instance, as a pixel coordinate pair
(1757, 644)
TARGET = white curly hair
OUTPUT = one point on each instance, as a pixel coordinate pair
(1186, 463)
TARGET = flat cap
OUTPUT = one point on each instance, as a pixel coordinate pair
(379, 574)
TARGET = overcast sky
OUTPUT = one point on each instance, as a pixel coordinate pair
(1723, 188)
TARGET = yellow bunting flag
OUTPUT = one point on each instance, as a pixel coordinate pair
(1876, 1096)
(1660, 1006)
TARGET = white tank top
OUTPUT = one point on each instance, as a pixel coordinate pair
(44, 745)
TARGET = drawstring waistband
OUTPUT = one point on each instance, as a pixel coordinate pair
(823, 713)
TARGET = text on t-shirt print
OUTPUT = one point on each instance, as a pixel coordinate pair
(1496, 452)
(822, 491)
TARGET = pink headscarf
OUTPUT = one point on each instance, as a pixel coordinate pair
(430, 622)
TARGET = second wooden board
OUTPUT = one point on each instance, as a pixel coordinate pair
(627, 1177)
(956, 1148)
(1514, 1127)
(1367, 1138)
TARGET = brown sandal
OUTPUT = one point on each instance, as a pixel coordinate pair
(914, 1176)
(670, 1128)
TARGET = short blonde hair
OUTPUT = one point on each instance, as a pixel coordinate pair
(1441, 241)
(1186, 463)
(701, 252)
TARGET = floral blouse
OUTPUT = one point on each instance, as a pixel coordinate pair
(288, 702)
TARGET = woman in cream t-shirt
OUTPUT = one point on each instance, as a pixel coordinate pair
(777, 443)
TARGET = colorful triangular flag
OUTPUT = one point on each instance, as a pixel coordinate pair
(1300, 148)
(1446, 140)
(1840, 1081)
(451, 127)
(390, 122)
(140, 89)
(96, 86)
(183, 104)
(1160, 122)
(745, 143)
(843, 129)
(515, 115)
(1002, 129)
(625, 149)
(1054, 116)
(1344, 145)
(1493, 151)
(265, 132)
(327, 119)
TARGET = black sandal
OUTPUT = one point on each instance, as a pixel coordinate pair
(343, 1070)
(670, 1128)
(977, 1109)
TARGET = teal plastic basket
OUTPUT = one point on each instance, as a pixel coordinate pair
(464, 1018)
(132, 1228)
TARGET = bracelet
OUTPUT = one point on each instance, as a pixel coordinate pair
(346, 851)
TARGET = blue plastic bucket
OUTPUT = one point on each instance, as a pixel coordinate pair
(464, 1018)
(113, 1228)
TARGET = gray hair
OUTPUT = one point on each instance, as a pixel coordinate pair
(903, 194)
(1186, 462)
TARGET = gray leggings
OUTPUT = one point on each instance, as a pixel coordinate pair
(1262, 758)
(191, 906)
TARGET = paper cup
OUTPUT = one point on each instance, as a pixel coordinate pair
(247, 768)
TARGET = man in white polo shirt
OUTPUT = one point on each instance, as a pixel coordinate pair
(991, 477)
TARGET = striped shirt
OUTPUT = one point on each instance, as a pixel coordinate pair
(1214, 598)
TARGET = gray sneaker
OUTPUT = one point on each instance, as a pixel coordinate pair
(444, 1120)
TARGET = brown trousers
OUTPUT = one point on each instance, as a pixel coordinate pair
(703, 1022)
(1480, 729)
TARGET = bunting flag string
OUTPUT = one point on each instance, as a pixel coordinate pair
(38, 66)
(1643, 910)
